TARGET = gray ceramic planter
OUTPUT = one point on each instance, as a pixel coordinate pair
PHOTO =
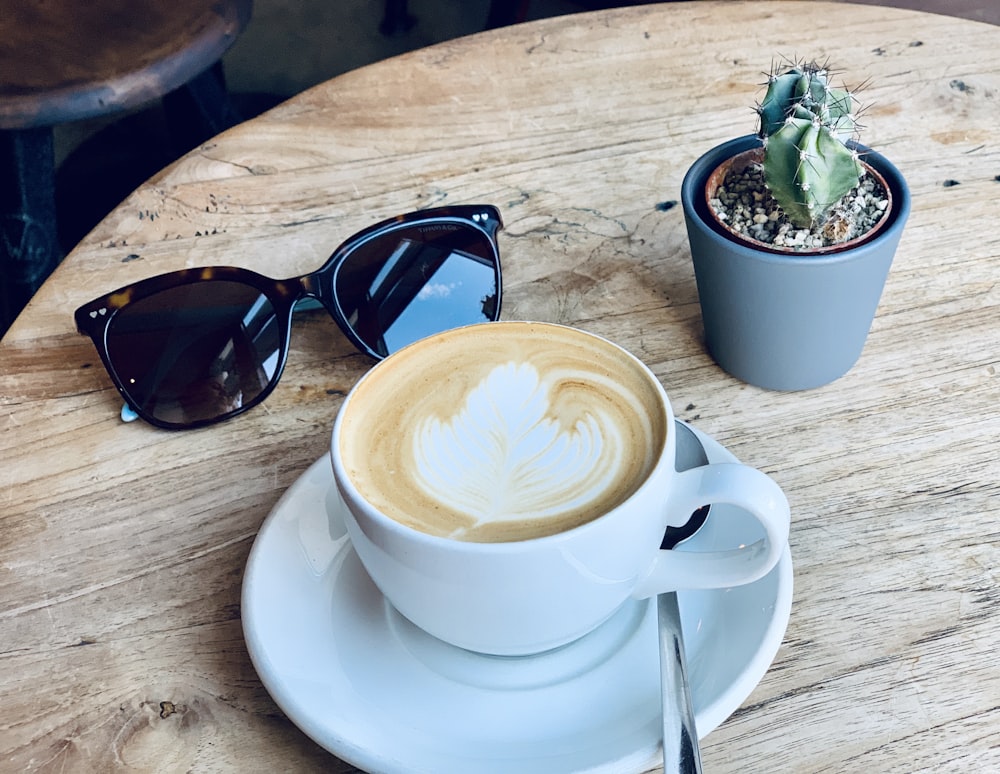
(786, 322)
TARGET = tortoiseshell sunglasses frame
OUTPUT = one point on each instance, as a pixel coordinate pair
(94, 318)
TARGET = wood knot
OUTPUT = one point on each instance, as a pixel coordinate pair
(167, 709)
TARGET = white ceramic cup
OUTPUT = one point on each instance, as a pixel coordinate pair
(528, 594)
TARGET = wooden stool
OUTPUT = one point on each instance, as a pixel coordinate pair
(66, 60)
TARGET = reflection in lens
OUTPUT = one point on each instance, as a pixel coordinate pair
(416, 281)
(195, 352)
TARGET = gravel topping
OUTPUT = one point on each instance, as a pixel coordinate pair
(744, 203)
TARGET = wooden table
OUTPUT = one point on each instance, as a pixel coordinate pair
(122, 547)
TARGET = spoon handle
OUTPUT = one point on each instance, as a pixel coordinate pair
(681, 754)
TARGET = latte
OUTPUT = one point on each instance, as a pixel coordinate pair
(503, 431)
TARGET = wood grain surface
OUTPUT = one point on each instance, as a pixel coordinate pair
(122, 547)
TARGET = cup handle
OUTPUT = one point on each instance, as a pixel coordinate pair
(728, 483)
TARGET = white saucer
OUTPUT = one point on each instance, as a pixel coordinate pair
(379, 693)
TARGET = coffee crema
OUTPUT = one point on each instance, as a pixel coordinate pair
(503, 431)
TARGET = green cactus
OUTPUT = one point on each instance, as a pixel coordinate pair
(805, 124)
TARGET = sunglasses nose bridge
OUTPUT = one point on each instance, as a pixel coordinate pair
(318, 285)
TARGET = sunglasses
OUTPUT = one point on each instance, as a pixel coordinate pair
(198, 346)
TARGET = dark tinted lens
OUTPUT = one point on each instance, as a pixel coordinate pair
(417, 280)
(196, 352)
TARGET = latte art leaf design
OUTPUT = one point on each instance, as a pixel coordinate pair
(503, 456)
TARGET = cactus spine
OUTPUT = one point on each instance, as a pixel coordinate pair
(805, 124)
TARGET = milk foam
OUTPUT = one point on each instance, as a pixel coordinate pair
(503, 431)
(505, 457)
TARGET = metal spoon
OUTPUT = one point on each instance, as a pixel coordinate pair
(681, 754)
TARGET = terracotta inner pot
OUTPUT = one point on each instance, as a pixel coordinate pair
(740, 162)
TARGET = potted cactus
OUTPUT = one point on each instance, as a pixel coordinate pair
(792, 233)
